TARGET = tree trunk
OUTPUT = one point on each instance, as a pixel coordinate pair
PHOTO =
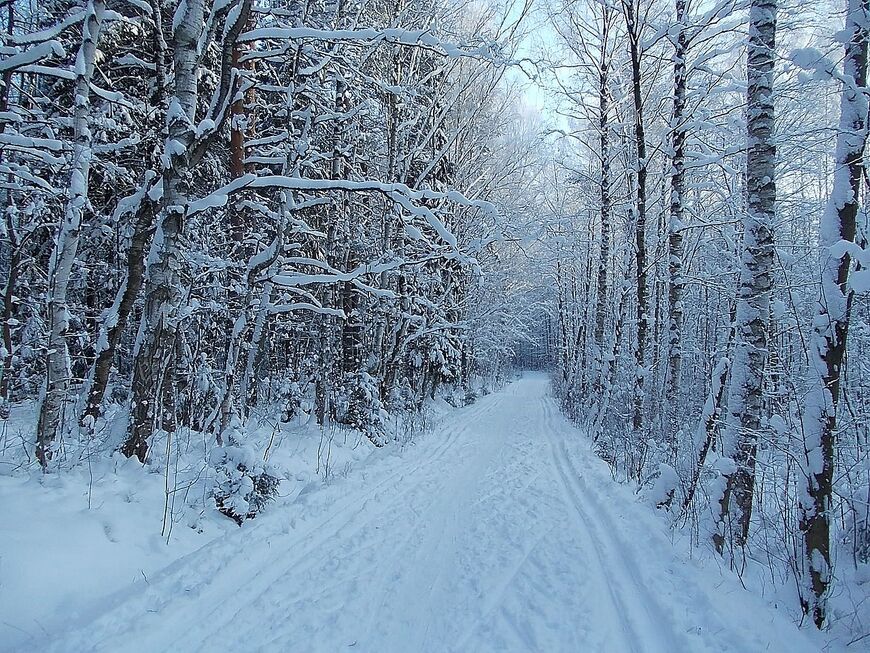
(828, 346)
(630, 10)
(675, 234)
(8, 308)
(710, 414)
(604, 189)
(745, 399)
(57, 364)
(14, 245)
(115, 322)
(154, 356)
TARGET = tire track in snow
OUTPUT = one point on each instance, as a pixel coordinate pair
(438, 589)
(536, 590)
(531, 580)
(348, 529)
(641, 630)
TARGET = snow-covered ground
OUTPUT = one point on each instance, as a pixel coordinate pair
(498, 531)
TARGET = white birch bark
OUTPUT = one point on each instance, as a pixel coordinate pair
(837, 229)
(632, 14)
(675, 230)
(57, 363)
(164, 286)
(745, 401)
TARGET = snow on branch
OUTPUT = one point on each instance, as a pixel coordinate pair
(42, 51)
(370, 36)
(305, 306)
(331, 275)
(48, 34)
(63, 73)
(400, 193)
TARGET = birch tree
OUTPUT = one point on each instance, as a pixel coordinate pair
(676, 223)
(631, 11)
(157, 348)
(744, 421)
(837, 231)
(602, 284)
(58, 371)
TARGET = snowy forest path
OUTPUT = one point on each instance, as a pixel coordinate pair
(499, 531)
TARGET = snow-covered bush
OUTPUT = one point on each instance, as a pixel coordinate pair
(661, 494)
(458, 395)
(471, 395)
(402, 398)
(293, 399)
(243, 483)
(453, 396)
(359, 406)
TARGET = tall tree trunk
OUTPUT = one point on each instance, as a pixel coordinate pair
(604, 189)
(155, 352)
(57, 363)
(828, 346)
(675, 227)
(612, 359)
(631, 12)
(262, 310)
(745, 400)
(11, 234)
(240, 122)
(330, 330)
(710, 414)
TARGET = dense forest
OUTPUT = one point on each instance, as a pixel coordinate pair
(224, 214)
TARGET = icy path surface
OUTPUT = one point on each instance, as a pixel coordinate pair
(500, 531)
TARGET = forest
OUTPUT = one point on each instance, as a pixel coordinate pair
(248, 246)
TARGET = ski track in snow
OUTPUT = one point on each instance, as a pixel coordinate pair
(501, 531)
(622, 588)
